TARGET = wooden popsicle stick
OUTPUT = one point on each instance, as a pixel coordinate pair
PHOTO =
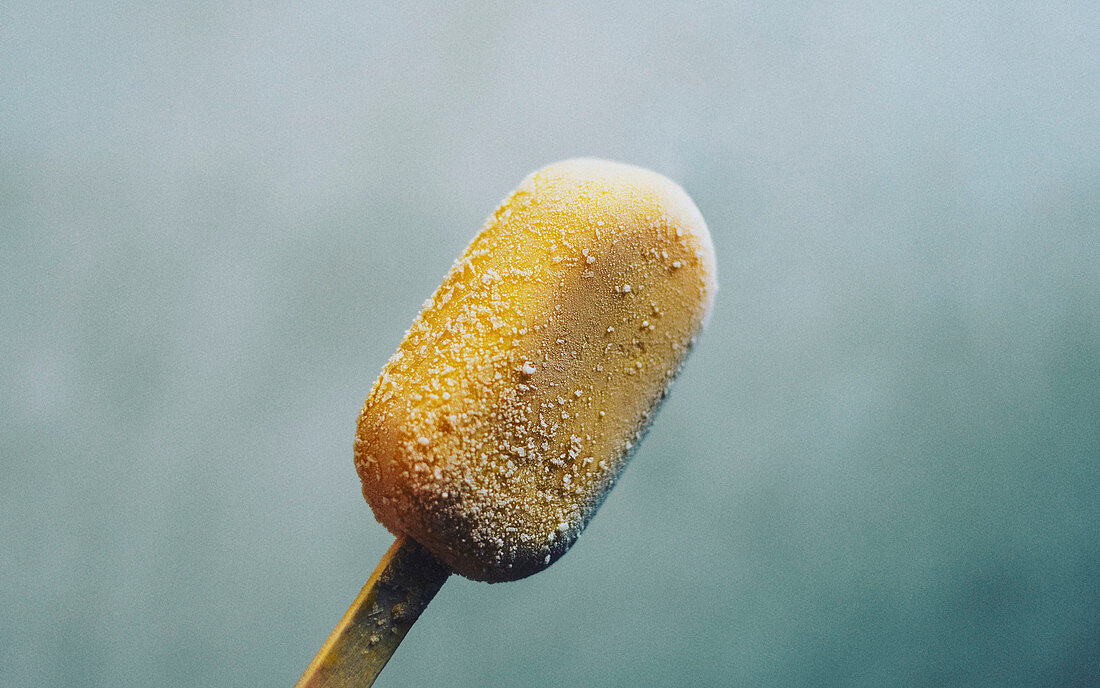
(402, 585)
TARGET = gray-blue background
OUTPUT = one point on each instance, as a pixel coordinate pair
(881, 466)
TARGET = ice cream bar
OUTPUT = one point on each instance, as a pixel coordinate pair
(516, 398)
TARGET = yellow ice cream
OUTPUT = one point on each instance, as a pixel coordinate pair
(499, 425)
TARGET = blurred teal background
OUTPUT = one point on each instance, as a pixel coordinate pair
(880, 468)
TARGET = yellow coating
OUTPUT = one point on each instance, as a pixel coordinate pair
(513, 403)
